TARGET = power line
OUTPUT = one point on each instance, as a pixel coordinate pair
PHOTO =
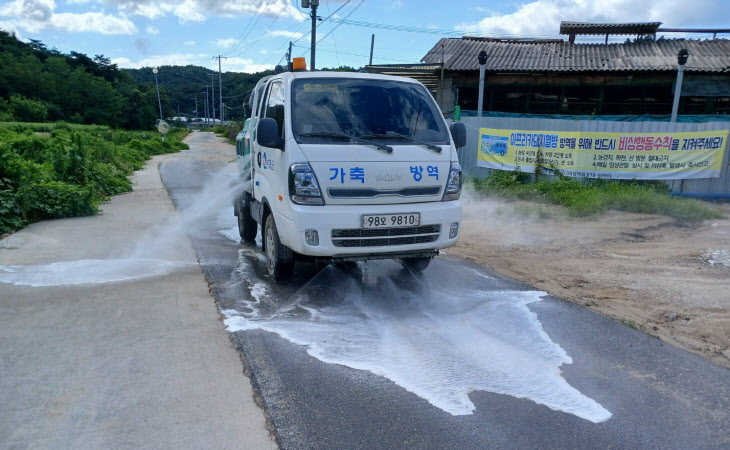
(263, 36)
(257, 15)
(334, 42)
(338, 20)
(325, 20)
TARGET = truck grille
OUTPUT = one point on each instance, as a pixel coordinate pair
(371, 192)
(376, 237)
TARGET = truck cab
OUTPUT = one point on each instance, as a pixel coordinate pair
(349, 167)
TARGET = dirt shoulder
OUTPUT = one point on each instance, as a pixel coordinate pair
(664, 277)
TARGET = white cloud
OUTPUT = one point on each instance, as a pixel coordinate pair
(175, 59)
(542, 17)
(38, 15)
(182, 59)
(289, 34)
(225, 43)
(199, 10)
(190, 43)
(152, 30)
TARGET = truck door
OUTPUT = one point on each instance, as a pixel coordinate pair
(269, 163)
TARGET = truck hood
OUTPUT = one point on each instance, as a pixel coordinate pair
(363, 174)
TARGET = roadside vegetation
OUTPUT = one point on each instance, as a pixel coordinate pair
(52, 171)
(593, 197)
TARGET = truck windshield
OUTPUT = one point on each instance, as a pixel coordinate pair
(329, 110)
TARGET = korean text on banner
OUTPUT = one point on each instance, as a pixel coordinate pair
(642, 156)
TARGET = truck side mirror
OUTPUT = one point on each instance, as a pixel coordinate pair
(458, 132)
(267, 134)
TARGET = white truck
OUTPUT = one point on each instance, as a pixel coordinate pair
(348, 167)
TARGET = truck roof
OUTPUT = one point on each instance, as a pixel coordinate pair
(353, 75)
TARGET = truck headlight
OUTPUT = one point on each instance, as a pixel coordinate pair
(303, 185)
(453, 183)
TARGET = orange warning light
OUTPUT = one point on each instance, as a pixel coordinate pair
(299, 64)
(281, 198)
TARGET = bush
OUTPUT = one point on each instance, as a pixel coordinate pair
(56, 200)
(70, 169)
(11, 214)
(25, 109)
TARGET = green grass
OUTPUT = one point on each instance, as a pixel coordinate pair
(592, 198)
(48, 127)
(68, 171)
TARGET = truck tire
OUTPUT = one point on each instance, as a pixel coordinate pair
(280, 259)
(247, 226)
(417, 265)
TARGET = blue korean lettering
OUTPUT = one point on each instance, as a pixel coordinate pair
(357, 173)
(417, 172)
(338, 171)
(433, 171)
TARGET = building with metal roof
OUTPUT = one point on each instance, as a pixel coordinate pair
(562, 77)
(646, 55)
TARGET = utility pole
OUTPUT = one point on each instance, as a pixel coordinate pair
(288, 58)
(212, 96)
(220, 86)
(196, 107)
(207, 122)
(372, 45)
(313, 4)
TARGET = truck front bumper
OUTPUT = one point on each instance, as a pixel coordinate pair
(341, 236)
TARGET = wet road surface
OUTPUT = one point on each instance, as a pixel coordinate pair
(373, 356)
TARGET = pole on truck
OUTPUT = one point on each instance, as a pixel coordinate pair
(682, 58)
(482, 69)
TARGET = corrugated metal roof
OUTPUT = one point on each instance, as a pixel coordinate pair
(608, 28)
(641, 56)
(425, 73)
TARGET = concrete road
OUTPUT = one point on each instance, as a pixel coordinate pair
(133, 353)
(374, 357)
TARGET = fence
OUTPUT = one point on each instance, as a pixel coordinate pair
(710, 187)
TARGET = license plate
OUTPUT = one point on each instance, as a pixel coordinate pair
(391, 220)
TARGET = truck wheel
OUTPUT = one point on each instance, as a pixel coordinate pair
(417, 265)
(247, 226)
(280, 259)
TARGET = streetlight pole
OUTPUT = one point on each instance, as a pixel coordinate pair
(159, 103)
(682, 57)
(482, 68)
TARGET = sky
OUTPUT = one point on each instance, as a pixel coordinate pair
(253, 34)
